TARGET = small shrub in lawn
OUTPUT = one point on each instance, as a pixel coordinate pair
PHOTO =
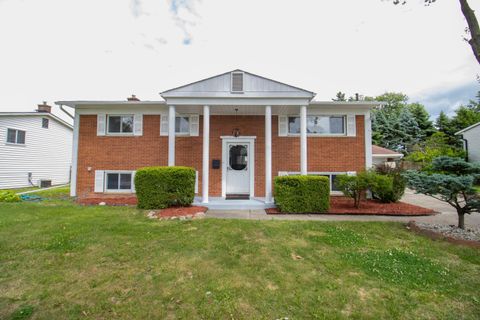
(8, 196)
(163, 187)
(297, 194)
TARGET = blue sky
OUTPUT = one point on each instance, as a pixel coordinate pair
(91, 49)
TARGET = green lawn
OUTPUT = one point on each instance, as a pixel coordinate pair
(17, 190)
(62, 261)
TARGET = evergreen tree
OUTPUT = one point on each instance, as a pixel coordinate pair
(340, 96)
(422, 117)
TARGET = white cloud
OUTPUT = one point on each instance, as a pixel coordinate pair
(90, 49)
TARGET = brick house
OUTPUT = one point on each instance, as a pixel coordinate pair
(237, 129)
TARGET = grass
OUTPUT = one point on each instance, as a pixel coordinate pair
(477, 188)
(63, 261)
(17, 190)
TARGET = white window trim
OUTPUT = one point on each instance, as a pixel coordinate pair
(319, 134)
(105, 177)
(107, 125)
(16, 138)
(335, 193)
(243, 82)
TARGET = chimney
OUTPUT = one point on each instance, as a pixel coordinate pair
(133, 98)
(44, 107)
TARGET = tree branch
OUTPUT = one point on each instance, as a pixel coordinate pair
(472, 22)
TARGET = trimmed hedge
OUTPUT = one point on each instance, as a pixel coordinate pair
(297, 194)
(163, 187)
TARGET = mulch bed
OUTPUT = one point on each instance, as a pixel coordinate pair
(341, 205)
(177, 212)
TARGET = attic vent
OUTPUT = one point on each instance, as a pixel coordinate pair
(237, 81)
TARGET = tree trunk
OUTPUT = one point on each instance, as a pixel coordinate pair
(461, 220)
(472, 22)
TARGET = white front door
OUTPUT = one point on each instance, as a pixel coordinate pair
(238, 168)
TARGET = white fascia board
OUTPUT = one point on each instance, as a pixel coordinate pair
(122, 109)
(366, 104)
(239, 101)
(37, 114)
(467, 128)
(387, 155)
(94, 104)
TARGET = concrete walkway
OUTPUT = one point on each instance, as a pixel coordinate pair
(447, 214)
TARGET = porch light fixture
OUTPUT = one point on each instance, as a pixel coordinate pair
(236, 131)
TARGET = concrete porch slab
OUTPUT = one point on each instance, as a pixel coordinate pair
(217, 203)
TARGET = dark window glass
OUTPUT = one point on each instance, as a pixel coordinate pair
(11, 136)
(238, 157)
(337, 125)
(20, 137)
(114, 124)
(112, 181)
(334, 186)
(182, 125)
(125, 181)
(127, 124)
(294, 125)
(45, 123)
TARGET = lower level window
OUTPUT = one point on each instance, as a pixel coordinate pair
(119, 181)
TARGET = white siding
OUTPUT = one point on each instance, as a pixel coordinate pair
(473, 138)
(47, 153)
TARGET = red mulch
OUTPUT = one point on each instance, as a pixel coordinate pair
(180, 211)
(109, 200)
(341, 205)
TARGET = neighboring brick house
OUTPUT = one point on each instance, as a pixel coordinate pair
(238, 130)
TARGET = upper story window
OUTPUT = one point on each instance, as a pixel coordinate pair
(16, 136)
(318, 125)
(237, 82)
(45, 123)
(182, 125)
(120, 124)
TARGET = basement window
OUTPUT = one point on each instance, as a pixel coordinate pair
(15, 136)
(237, 82)
(118, 182)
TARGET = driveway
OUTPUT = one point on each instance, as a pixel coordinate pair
(447, 214)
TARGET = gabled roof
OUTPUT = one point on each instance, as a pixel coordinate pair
(467, 128)
(254, 86)
(378, 151)
(40, 114)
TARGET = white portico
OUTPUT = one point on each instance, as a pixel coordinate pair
(238, 93)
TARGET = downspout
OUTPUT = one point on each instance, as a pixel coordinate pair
(66, 112)
(465, 146)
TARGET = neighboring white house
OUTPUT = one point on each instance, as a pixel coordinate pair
(385, 156)
(34, 146)
(471, 142)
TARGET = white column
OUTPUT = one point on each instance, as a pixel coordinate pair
(171, 136)
(268, 154)
(206, 152)
(303, 140)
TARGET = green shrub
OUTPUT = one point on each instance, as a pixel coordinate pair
(9, 196)
(163, 187)
(354, 186)
(388, 188)
(298, 194)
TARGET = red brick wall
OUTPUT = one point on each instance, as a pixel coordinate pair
(132, 152)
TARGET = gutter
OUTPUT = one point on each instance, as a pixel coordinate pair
(66, 112)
